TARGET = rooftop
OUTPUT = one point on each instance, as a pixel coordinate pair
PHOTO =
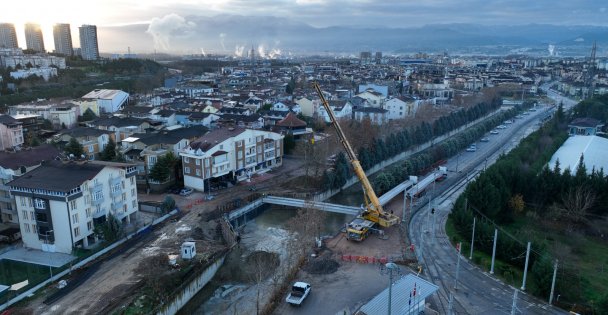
(102, 94)
(58, 176)
(31, 157)
(593, 148)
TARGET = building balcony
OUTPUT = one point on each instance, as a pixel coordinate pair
(117, 205)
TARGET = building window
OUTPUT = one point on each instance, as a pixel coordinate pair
(34, 229)
(198, 172)
(124, 196)
(88, 211)
(73, 204)
(207, 162)
(23, 202)
(132, 192)
(26, 227)
(90, 225)
(134, 203)
(29, 200)
(39, 203)
(198, 162)
(116, 188)
(132, 180)
(124, 208)
(187, 170)
(239, 154)
(186, 159)
(74, 218)
(76, 231)
(97, 195)
(91, 149)
(32, 215)
(24, 214)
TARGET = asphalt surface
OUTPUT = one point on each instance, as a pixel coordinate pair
(477, 292)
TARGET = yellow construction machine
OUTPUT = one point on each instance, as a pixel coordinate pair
(373, 214)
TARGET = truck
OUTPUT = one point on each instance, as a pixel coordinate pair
(299, 292)
(372, 211)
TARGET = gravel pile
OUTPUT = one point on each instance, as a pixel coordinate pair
(321, 266)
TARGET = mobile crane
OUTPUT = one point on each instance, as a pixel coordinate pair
(373, 214)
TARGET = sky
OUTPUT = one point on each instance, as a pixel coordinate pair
(318, 13)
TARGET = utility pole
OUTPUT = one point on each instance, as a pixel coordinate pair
(514, 306)
(553, 282)
(494, 251)
(403, 217)
(472, 240)
(457, 265)
(451, 304)
(523, 285)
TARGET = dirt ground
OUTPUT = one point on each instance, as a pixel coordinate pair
(112, 285)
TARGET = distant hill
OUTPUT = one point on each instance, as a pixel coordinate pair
(234, 33)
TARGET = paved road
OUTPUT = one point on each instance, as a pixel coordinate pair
(477, 292)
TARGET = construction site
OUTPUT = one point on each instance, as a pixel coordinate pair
(257, 261)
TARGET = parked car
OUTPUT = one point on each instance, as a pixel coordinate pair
(186, 191)
(484, 139)
(501, 127)
(494, 132)
(472, 149)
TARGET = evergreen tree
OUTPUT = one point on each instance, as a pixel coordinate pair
(75, 148)
(109, 152)
(162, 169)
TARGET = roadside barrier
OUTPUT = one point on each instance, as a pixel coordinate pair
(365, 259)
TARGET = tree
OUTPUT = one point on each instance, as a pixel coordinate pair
(88, 115)
(168, 204)
(74, 148)
(163, 168)
(516, 203)
(109, 152)
(575, 204)
(111, 230)
(289, 143)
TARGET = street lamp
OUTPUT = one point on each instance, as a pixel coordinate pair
(46, 234)
(390, 268)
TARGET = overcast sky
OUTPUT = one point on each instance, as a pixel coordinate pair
(320, 13)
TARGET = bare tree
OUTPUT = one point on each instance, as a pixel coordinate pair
(575, 204)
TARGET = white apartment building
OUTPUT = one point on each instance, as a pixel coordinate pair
(59, 204)
(11, 133)
(8, 36)
(89, 48)
(230, 154)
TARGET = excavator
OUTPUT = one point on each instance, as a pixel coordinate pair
(373, 213)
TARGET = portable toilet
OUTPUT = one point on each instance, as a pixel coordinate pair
(188, 250)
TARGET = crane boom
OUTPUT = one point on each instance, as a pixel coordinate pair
(374, 211)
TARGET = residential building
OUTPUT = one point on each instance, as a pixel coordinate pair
(307, 106)
(105, 101)
(89, 48)
(46, 73)
(11, 133)
(14, 57)
(230, 155)
(342, 110)
(15, 164)
(373, 98)
(8, 36)
(62, 35)
(121, 128)
(60, 204)
(377, 116)
(145, 149)
(93, 140)
(33, 37)
(401, 107)
(65, 116)
(291, 124)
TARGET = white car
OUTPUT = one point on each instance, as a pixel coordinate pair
(472, 149)
(299, 292)
(494, 132)
(185, 191)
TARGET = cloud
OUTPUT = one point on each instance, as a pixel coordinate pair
(164, 28)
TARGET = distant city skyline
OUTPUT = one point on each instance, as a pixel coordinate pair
(318, 13)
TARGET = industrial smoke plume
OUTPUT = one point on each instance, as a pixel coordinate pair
(171, 25)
